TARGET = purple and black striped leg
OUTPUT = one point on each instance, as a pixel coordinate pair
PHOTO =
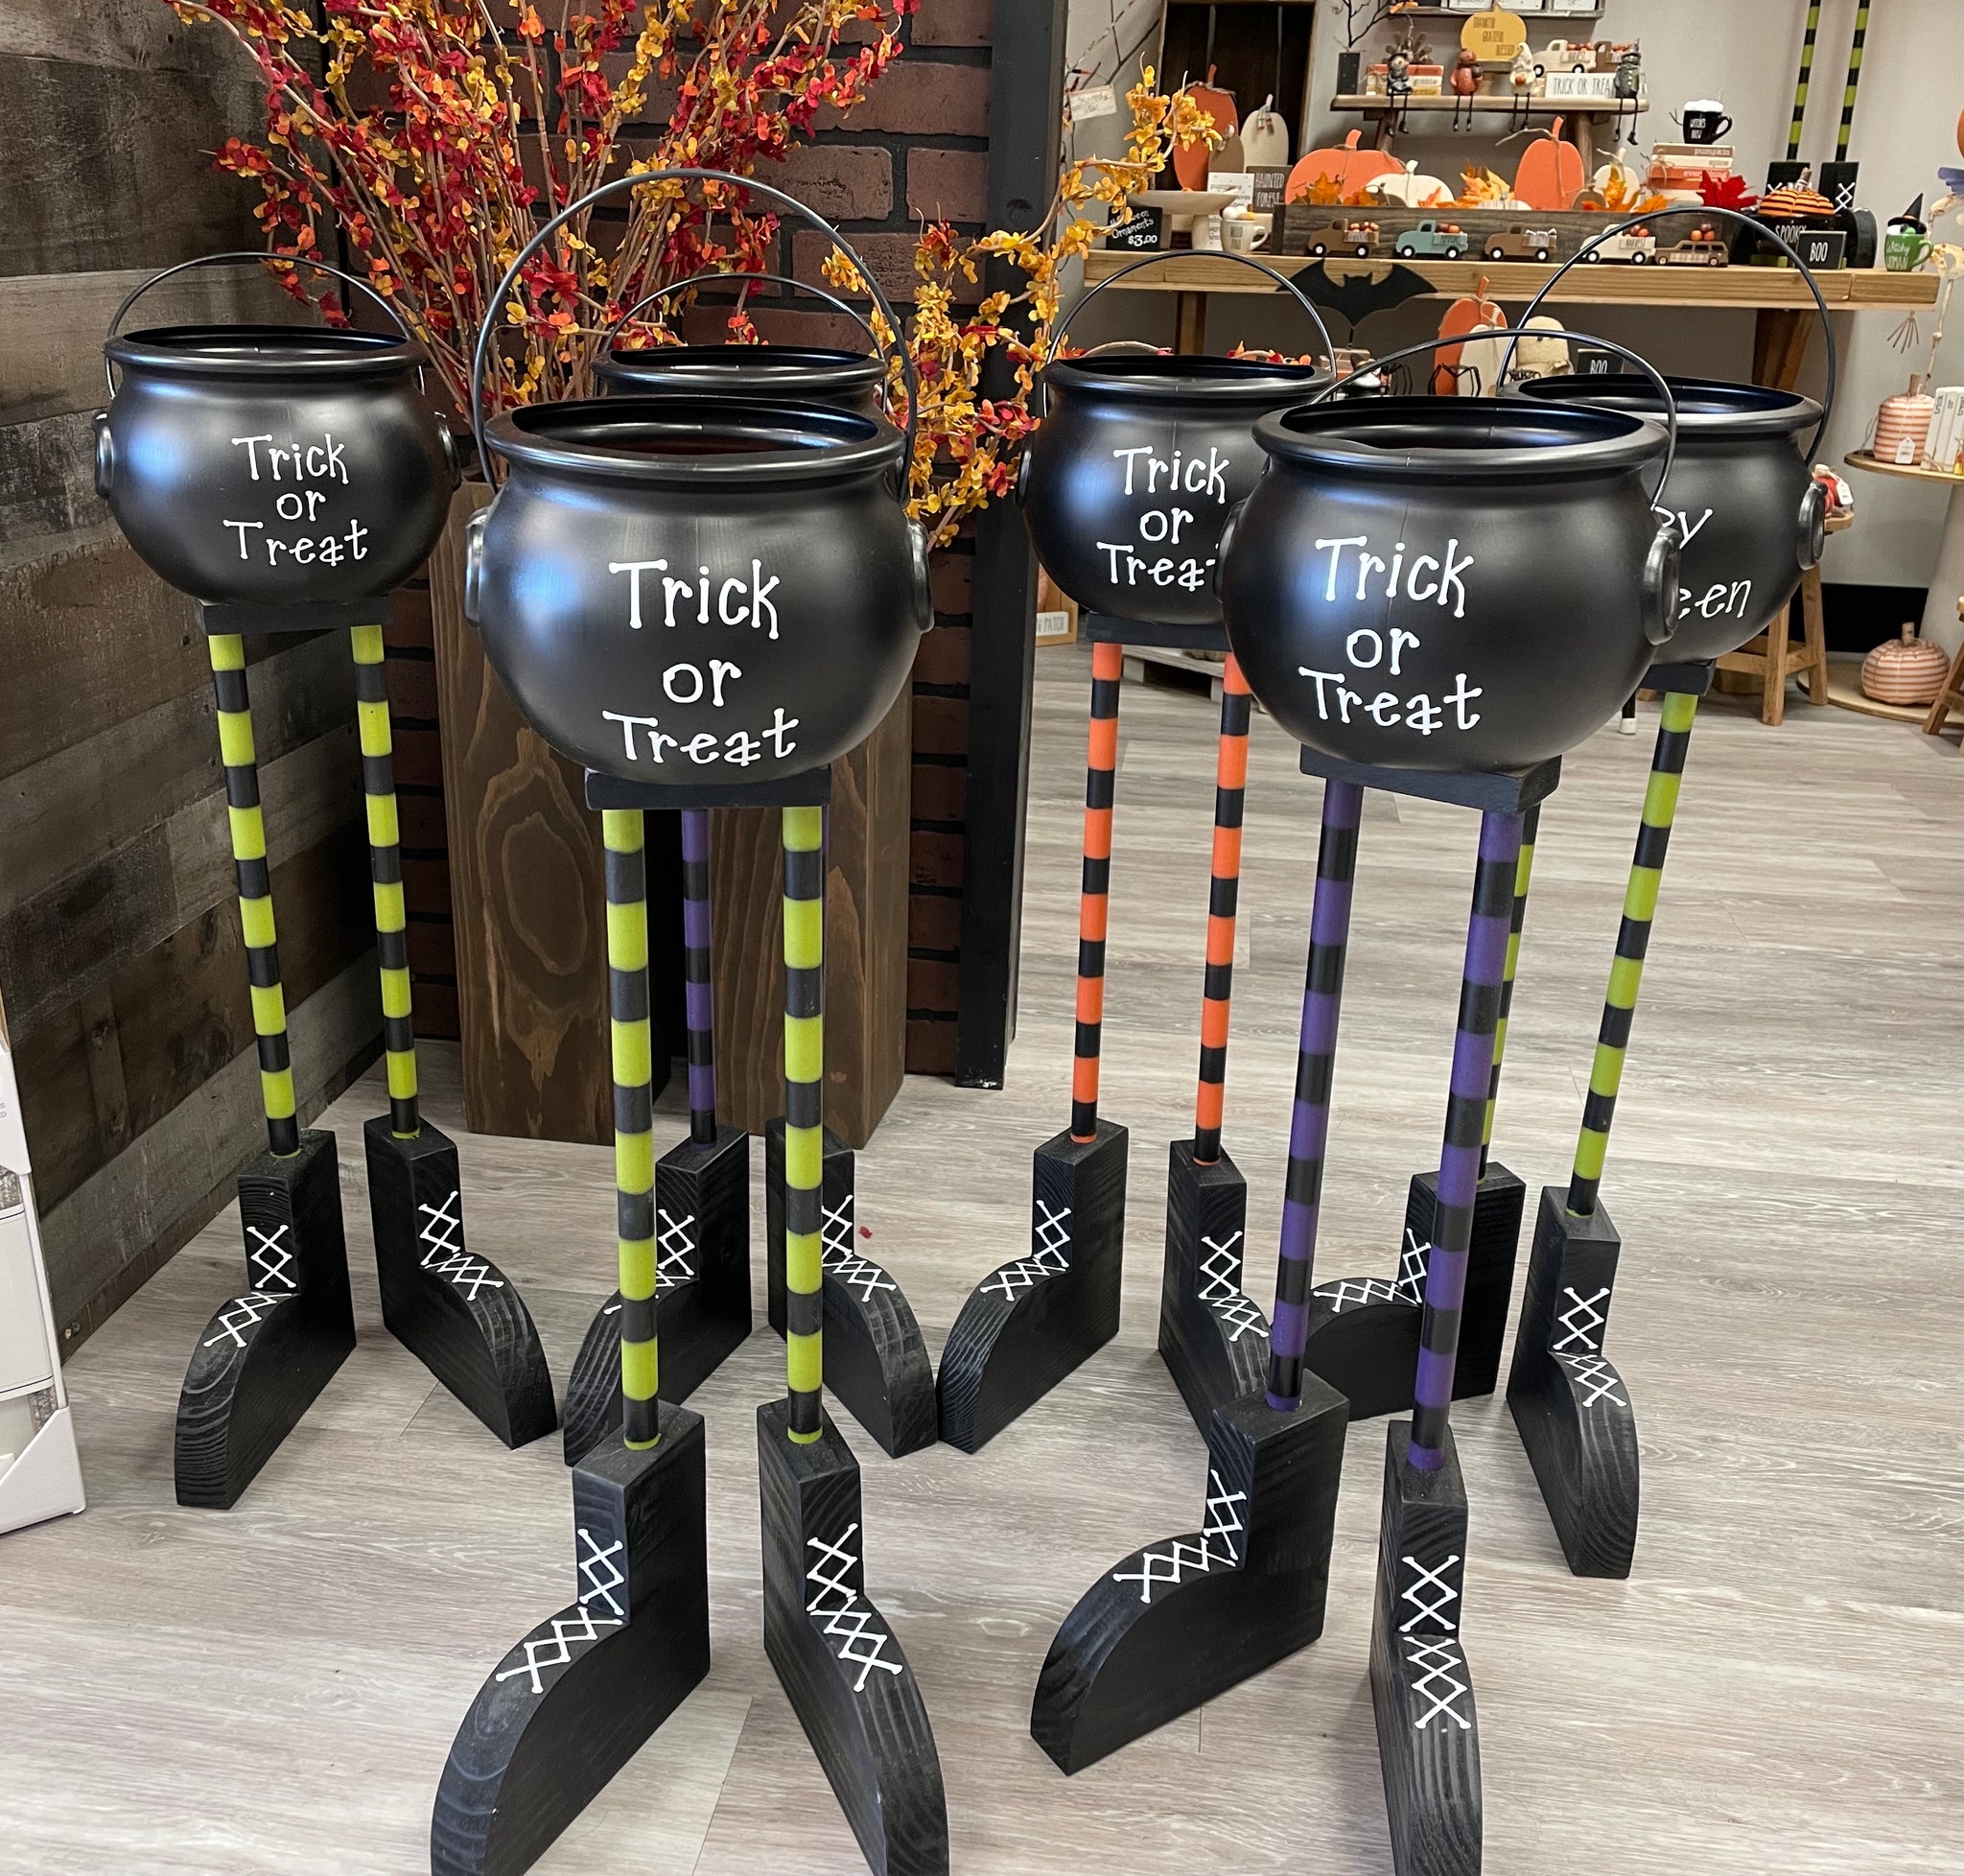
(1179, 1622)
(1422, 1687)
(702, 1210)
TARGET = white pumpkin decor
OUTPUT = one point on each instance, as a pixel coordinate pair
(1265, 138)
(1410, 189)
(1542, 358)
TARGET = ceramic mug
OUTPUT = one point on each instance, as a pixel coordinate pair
(1704, 121)
(1207, 233)
(1906, 249)
(1243, 234)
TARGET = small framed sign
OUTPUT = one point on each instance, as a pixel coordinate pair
(1579, 85)
(1142, 229)
(1821, 248)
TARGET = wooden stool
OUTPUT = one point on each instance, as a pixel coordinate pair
(1951, 697)
(1770, 658)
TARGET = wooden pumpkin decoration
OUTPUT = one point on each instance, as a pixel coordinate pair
(1409, 189)
(1348, 166)
(1551, 175)
(1468, 369)
(1905, 671)
(1192, 160)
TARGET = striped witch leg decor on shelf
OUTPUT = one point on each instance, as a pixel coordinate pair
(1315, 1059)
(622, 832)
(1800, 84)
(265, 1355)
(1212, 1337)
(804, 840)
(1632, 943)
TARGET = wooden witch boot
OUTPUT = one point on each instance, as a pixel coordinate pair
(457, 1312)
(1031, 1323)
(836, 1656)
(265, 1354)
(702, 1195)
(579, 1695)
(1179, 1621)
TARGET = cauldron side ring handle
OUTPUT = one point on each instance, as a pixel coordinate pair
(640, 178)
(709, 275)
(138, 291)
(1660, 568)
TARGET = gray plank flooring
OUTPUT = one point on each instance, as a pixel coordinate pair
(273, 1689)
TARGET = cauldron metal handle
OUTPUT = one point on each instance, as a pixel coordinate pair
(1660, 567)
(1282, 280)
(1810, 536)
(639, 179)
(136, 293)
(708, 275)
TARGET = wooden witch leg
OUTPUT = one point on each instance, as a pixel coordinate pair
(836, 1656)
(1363, 1330)
(265, 1355)
(1421, 1685)
(1031, 1323)
(702, 1208)
(457, 1312)
(1569, 1403)
(579, 1695)
(1212, 1338)
(1180, 1621)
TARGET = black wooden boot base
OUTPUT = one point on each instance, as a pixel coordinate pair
(876, 1362)
(457, 1313)
(266, 1355)
(836, 1656)
(1569, 1403)
(1178, 1623)
(1030, 1323)
(1213, 1339)
(580, 1695)
(702, 1288)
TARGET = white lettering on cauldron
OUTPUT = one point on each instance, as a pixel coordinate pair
(741, 601)
(301, 474)
(1422, 579)
(1149, 474)
(1722, 598)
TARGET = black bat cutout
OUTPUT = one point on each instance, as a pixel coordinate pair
(1354, 295)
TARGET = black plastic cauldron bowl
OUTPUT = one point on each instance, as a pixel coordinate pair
(1140, 459)
(272, 465)
(684, 590)
(1751, 516)
(1449, 583)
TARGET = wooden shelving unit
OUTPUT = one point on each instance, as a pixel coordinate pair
(1876, 466)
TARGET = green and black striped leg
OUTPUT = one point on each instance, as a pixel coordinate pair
(702, 1209)
(1569, 1403)
(1364, 1331)
(580, 1695)
(833, 1651)
(457, 1312)
(265, 1355)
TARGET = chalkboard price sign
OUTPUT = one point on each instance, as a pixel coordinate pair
(1143, 230)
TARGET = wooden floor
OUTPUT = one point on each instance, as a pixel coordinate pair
(1776, 1689)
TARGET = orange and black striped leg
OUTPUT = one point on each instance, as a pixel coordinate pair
(1212, 1337)
(1031, 1323)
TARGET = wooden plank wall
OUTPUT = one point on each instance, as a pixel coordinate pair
(118, 939)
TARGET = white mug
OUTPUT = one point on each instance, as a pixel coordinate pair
(1207, 233)
(1243, 234)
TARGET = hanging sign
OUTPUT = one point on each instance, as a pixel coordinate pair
(1495, 34)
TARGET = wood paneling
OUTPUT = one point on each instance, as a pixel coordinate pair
(527, 891)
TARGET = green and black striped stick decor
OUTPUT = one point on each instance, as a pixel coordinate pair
(623, 835)
(804, 1115)
(1632, 942)
(1854, 84)
(1523, 872)
(385, 872)
(255, 892)
(1807, 72)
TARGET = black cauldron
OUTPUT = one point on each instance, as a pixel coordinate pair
(1449, 583)
(770, 374)
(684, 590)
(1140, 459)
(271, 465)
(694, 591)
(1751, 516)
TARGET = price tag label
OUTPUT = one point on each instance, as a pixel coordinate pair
(1093, 102)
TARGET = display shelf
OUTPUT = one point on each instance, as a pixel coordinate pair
(1913, 472)
(1609, 285)
(1376, 104)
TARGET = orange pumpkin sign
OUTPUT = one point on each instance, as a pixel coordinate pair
(1343, 164)
(1190, 159)
(1551, 175)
